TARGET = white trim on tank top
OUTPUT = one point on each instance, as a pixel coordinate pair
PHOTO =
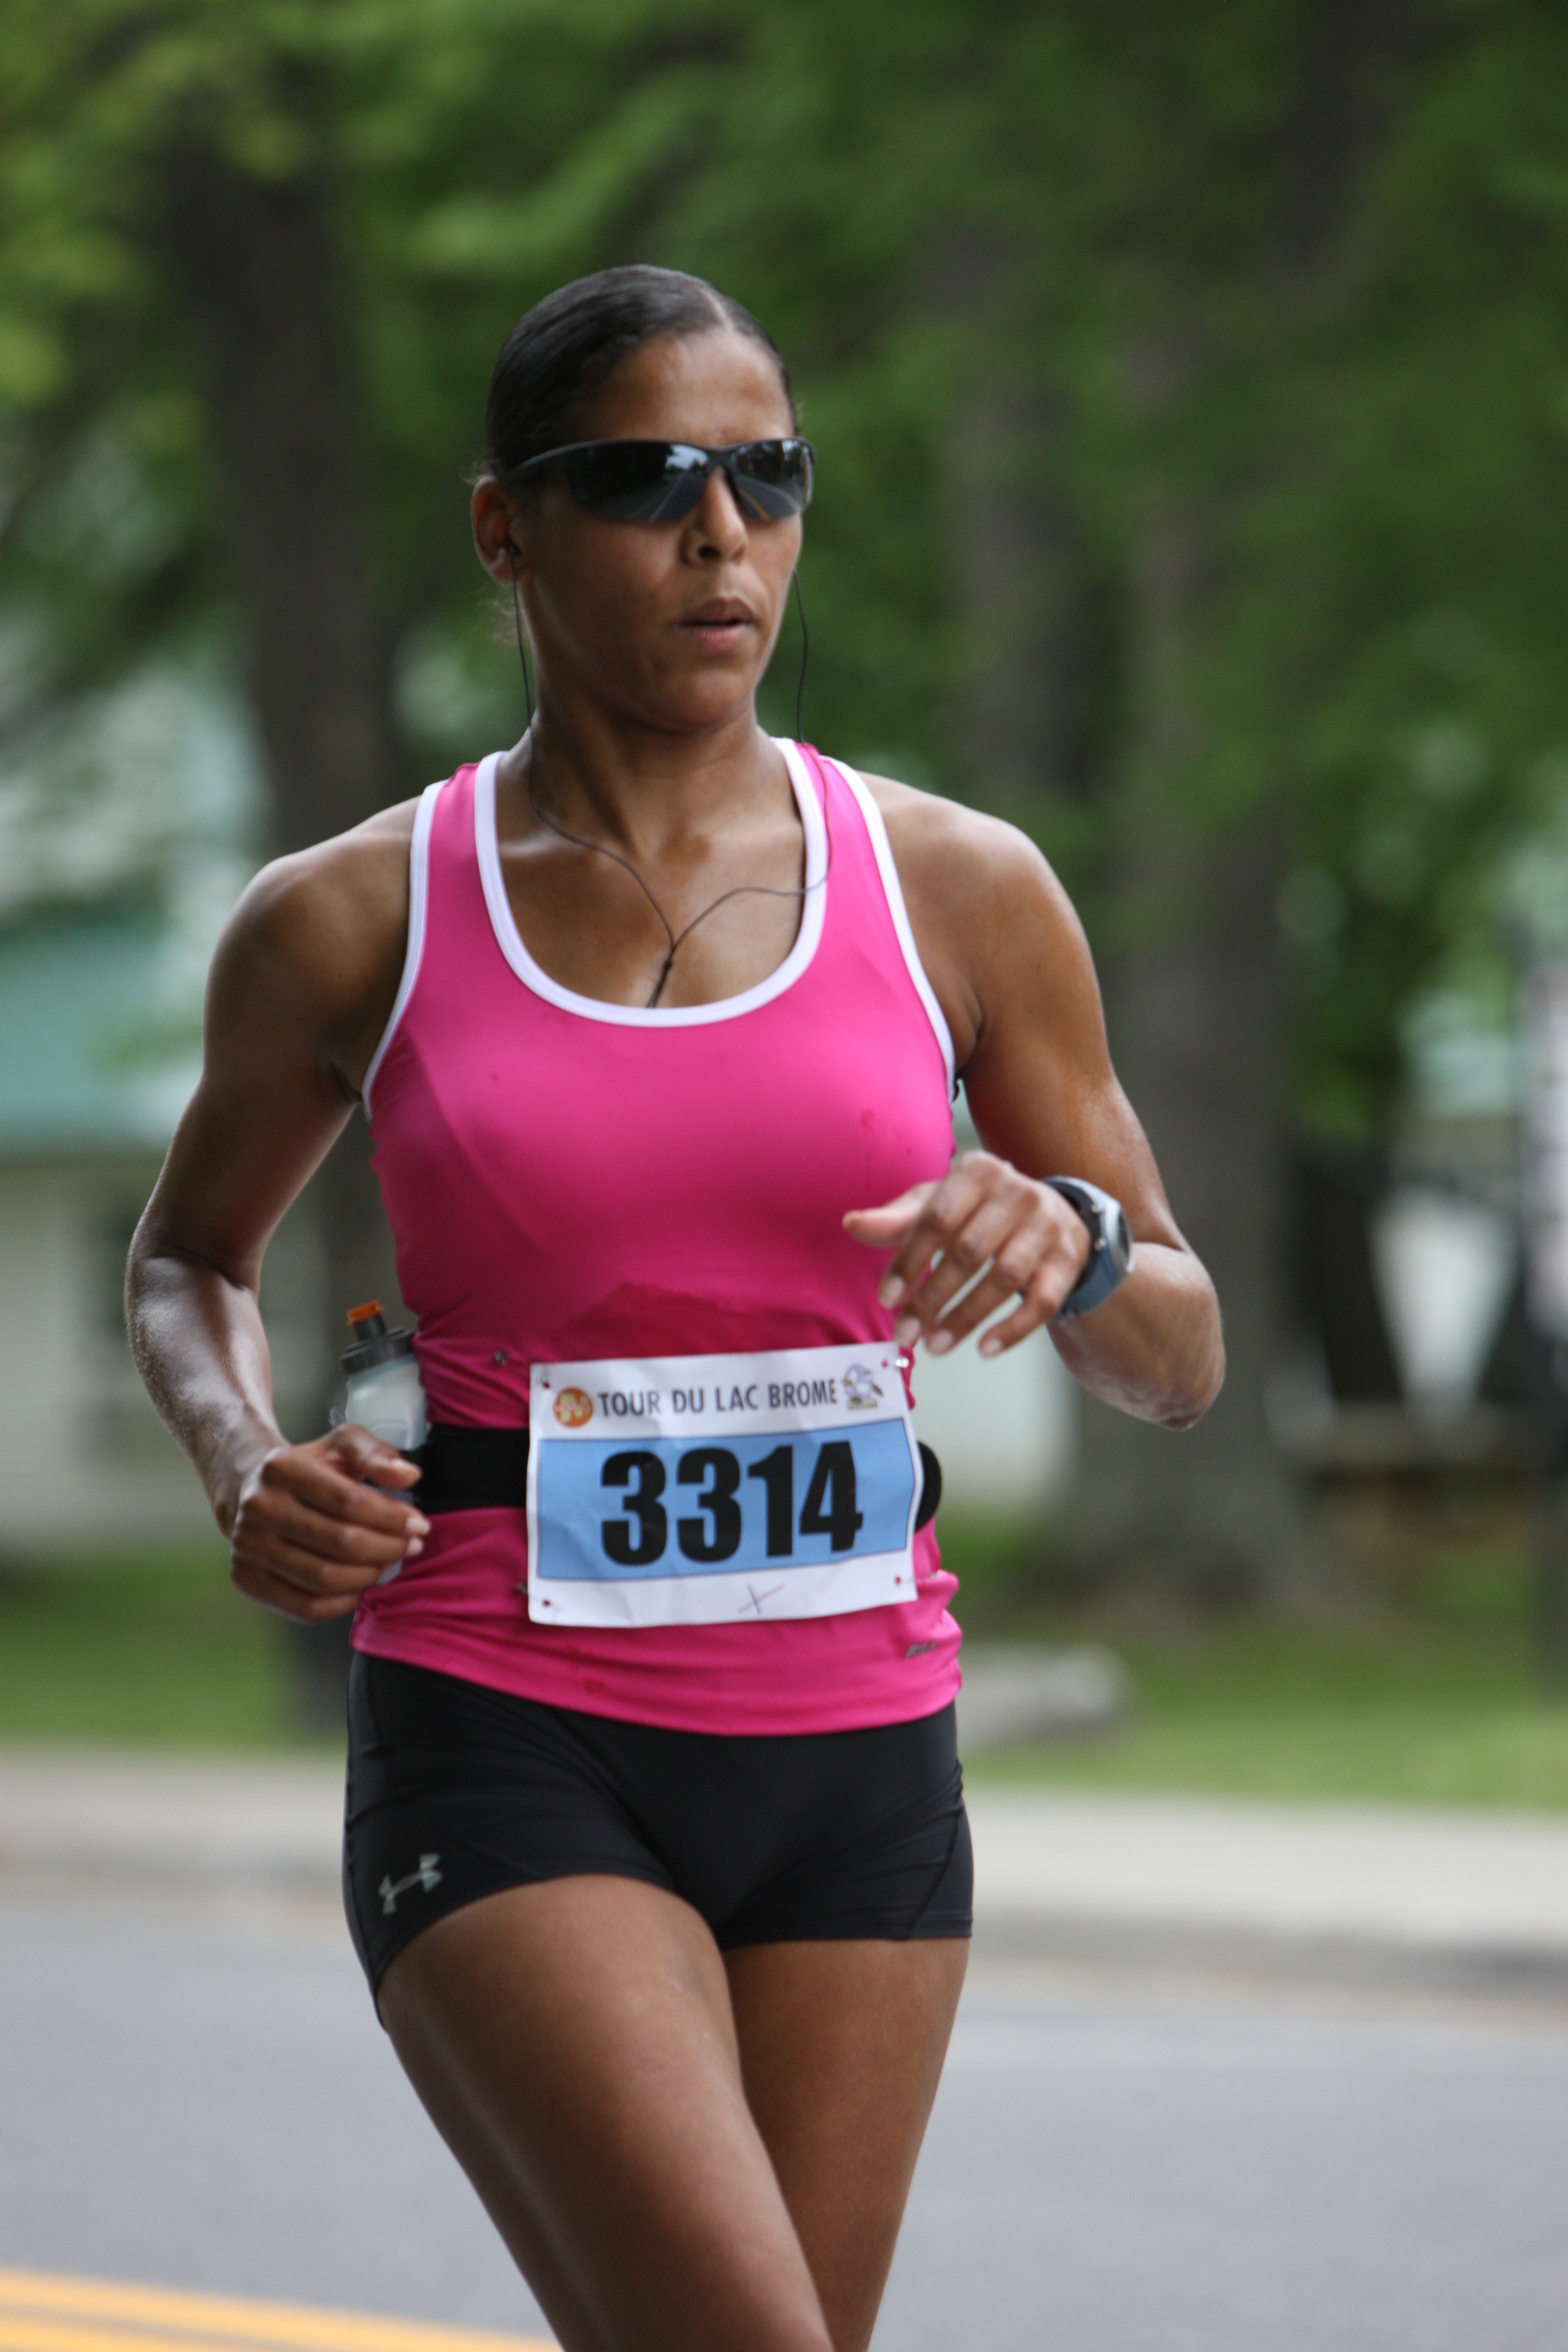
(882, 849)
(655, 1017)
(418, 898)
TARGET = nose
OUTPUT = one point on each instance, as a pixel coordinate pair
(716, 527)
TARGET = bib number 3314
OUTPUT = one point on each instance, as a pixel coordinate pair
(706, 1489)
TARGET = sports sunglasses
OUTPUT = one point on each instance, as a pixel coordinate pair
(661, 481)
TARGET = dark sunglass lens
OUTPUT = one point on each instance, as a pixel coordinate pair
(637, 481)
(774, 478)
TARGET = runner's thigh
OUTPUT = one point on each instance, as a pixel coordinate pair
(841, 2051)
(573, 2042)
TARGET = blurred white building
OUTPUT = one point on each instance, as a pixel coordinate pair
(89, 1094)
(1004, 1429)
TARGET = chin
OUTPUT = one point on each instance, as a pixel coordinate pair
(709, 703)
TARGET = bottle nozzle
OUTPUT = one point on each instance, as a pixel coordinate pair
(370, 1341)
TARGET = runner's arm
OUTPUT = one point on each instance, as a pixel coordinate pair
(1008, 959)
(294, 976)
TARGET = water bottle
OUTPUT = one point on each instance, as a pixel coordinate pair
(384, 1394)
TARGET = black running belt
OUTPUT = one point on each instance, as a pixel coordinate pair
(486, 1470)
(472, 1469)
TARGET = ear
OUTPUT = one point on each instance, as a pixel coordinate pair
(501, 530)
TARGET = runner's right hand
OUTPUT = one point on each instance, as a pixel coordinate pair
(311, 1536)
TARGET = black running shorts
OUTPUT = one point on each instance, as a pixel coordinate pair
(455, 1791)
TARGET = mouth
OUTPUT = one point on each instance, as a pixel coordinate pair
(721, 621)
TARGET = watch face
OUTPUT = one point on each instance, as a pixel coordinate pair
(1119, 1236)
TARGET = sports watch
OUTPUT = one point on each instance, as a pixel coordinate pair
(1110, 1245)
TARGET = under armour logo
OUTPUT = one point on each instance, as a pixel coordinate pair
(426, 1877)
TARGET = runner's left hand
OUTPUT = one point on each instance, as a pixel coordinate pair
(1026, 1242)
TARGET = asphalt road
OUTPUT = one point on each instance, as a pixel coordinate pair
(203, 2099)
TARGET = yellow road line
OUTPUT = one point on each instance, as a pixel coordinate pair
(130, 2317)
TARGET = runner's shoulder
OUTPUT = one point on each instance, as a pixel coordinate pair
(958, 866)
(325, 922)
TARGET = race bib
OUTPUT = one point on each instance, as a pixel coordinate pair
(702, 1490)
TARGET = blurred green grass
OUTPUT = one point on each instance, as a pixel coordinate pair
(1403, 1714)
(1428, 1694)
(1429, 1697)
(155, 1650)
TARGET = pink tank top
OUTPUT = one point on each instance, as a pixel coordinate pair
(571, 1179)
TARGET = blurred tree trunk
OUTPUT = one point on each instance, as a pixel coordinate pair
(1195, 1011)
(259, 266)
(269, 308)
(1031, 714)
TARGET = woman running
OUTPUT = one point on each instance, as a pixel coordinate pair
(655, 1852)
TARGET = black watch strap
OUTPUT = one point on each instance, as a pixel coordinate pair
(1111, 1245)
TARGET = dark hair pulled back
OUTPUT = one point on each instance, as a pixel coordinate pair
(564, 348)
